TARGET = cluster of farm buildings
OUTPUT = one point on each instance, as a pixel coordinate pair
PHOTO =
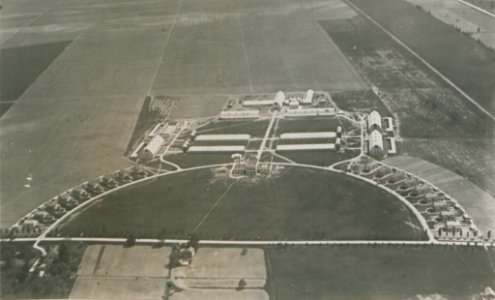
(380, 133)
(52, 210)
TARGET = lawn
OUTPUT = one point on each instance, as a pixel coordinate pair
(312, 124)
(319, 158)
(199, 159)
(315, 205)
(378, 272)
(255, 128)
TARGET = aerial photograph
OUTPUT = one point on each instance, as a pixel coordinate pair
(247, 149)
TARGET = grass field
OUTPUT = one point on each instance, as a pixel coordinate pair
(21, 66)
(310, 124)
(199, 106)
(359, 100)
(177, 205)
(63, 143)
(254, 128)
(319, 158)
(367, 272)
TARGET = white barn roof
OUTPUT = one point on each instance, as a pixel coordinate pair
(376, 139)
(258, 102)
(279, 97)
(308, 135)
(304, 112)
(223, 137)
(216, 149)
(309, 97)
(154, 145)
(239, 114)
(374, 118)
(305, 147)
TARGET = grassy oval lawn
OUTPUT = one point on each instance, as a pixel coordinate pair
(299, 204)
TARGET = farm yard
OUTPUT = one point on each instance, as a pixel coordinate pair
(375, 272)
(175, 206)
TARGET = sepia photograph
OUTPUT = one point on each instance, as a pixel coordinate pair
(247, 149)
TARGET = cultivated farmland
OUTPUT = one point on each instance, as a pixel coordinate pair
(468, 64)
(111, 271)
(372, 272)
(73, 123)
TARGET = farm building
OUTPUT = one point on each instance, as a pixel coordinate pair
(135, 153)
(375, 143)
(204, 149)
(452, 226)
(308, 99)
(305, 112)
(293, 104)
(153, 147)
(279, 98)
(306, 147)
(239, 114)
(374, 121)
(308, 135)
(155, 129)
(258, 102)
(222, 137)
(390, 124)
(393, 148)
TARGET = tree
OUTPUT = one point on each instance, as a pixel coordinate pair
(489, 234)
(193, 241)
(241, 285)
(131, 240)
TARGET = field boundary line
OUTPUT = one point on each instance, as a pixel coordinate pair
(165, 44)
(244, 50)
(426, 63)
(477, 8)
